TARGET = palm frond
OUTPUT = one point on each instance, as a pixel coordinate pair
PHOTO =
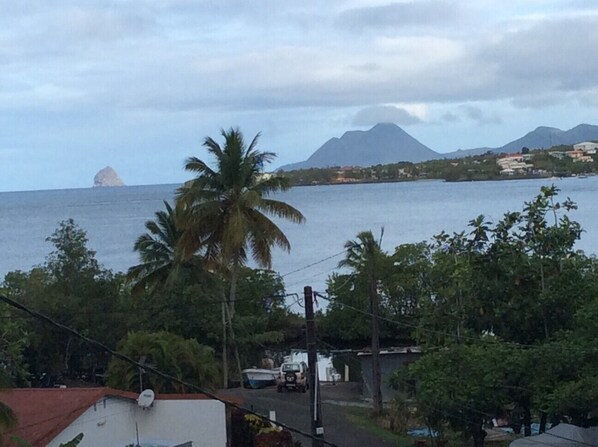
(281, 209)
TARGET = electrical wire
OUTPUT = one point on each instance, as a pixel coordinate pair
(313, 264)
(153, 370)
(438, 332)
(465, 419)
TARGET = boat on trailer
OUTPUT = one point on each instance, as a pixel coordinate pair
(259, 378)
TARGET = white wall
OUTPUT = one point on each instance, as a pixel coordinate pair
(111, 423)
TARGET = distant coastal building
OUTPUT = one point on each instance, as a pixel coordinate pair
(579, 155)
(343, 172)
(559, 155)
(512, 164)
(587, 146)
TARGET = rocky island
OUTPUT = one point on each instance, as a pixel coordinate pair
(107, 177)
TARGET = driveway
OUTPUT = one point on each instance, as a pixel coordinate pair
(292, 409)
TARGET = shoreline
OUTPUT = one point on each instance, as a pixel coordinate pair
(494, 179)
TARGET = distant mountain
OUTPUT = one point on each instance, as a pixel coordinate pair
(387, 143)
(382, 144)
(540, 138)
(545, 137)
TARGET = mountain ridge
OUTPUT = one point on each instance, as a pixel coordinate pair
(387, 143)
(354, 148)
(542, 137)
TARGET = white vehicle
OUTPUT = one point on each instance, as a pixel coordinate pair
(293, 375)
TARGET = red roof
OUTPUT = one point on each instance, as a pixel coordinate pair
(43, 413)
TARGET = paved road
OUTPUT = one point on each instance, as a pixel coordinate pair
(292, 409)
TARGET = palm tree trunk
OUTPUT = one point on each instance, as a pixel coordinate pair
(224, 348)
(234, 274)
(234, 345)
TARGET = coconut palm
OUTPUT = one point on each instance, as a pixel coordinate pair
(365, 257)
(161, 262)
(230, 208)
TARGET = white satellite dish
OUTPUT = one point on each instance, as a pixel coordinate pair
(146, 398)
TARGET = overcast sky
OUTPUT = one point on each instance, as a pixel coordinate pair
(137, 85)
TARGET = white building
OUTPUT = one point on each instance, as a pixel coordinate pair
(113, 418)
(587, 146)
(512, 164)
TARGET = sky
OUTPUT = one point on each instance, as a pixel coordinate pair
(137, 85)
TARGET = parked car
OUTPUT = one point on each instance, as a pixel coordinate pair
(293, 375)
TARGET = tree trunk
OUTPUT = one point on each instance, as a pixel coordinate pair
(376, 375)
(67, 354)
(543, 418)
(543, 286)
(234, 346)
(224, 348)
(478, 434)
(527, 422)
(234, 273)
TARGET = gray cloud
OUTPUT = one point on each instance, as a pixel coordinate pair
(450, 117)
(384, 114)
(476, 114)
(146, 73)
(540, 100)
(554, 53)
(399, 14)
(132, 58)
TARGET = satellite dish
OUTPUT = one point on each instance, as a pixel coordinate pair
(146, 398)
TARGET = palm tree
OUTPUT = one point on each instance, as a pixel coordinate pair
(230, 208)
(365, 257)
(161, 261)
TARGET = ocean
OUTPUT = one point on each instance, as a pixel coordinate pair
(409, 212)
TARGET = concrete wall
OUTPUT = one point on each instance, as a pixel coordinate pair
(111, 423)
(389, 364)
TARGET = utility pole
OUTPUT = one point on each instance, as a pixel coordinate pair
(315, 407)
(376, 375)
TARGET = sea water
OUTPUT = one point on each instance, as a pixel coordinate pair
(409, 212)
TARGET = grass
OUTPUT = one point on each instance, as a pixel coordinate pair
(361, 417)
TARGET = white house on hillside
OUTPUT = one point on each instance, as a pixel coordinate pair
(587, 146)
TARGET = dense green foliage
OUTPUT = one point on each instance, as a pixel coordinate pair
(227, 214)
(470, 168)
(171, 354)
(190, 284)
(99, 304)
(505, 313)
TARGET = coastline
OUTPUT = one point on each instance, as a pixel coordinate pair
(462, 180)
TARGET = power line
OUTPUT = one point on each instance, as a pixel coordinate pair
(438, 332)
(488, 415)
(313, 264)
(152, 369)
